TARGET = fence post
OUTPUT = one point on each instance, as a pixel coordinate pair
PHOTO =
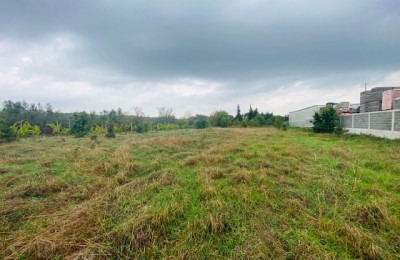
(352, 121)
(393, 120)
(369, 120)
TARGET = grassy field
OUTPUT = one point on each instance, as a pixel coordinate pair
(215, 193)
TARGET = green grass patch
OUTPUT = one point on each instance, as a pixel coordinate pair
(212, 193)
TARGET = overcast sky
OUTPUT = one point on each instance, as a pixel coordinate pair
(196, 56)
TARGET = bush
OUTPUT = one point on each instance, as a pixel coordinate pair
(24, 130)
(143, 127)
(326, 120)
(97, 130)
(80, 124)
(278, 121)
(220, 119)
(36, 130)
(339, 131)
(6, 133)
(56, 128)
(258, 120)
(110, 131)
(245, 122)
(201, 123)
(166, 126)
(66, 131)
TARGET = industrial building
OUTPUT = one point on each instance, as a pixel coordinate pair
(372, 100)
(389, 99)
(396, 103)
(303, 117)
(377, 114)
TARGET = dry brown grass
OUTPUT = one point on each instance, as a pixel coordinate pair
(217, 193)
(64, 234)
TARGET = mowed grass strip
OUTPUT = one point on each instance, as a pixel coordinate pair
(214, 193)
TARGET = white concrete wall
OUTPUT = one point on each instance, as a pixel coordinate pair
(381, 123)
(378, 133)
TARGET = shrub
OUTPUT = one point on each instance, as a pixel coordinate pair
(24, 130)
(110, 131)
(326, 120)
(166, 126)
(36, 130)
(56, 128)
(6, 133)
(96, 130)
(201, 123)
(143, 127)
(66, 131)
(80, 124)
(278, 121)
(258, 120)
(339, 131)
(245, 122)
(220, 119)
(117, 128)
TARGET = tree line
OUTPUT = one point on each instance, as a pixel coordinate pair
(20, 119)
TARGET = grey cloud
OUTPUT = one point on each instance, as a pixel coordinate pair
(249, 46)
(222, 40)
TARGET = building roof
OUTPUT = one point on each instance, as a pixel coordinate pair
(307, 108)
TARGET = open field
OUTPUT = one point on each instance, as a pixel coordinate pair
(214, 193)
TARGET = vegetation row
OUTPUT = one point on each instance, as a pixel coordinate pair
(20, 119)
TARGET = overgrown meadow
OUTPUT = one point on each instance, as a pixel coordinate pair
(212, 193)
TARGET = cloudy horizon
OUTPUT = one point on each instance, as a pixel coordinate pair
(196, 57)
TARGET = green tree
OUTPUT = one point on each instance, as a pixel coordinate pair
(80, 124)
(268, 117)
(143, 127)
(278, 121)
(220, 119)
(111, 122)
(239, 116)
(258, 120)
(6, 133)
(250, 115)
(165, 116)
(201, 122)
(245, 122)
(326, 120)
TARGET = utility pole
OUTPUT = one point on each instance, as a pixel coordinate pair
(365, 86)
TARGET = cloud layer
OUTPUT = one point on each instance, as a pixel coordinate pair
(196, 56)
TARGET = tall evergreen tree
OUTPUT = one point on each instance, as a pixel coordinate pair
(250, 115)
(239, 116)
(255, 113)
